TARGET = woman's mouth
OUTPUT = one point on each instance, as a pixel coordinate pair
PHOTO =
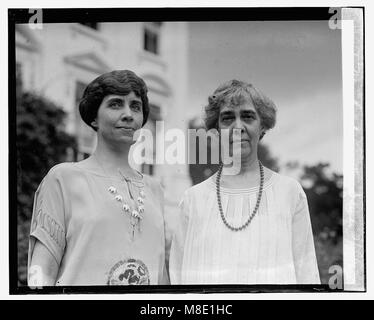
(240, 141)
(127, 130)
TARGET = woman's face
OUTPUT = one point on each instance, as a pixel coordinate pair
(118, 117)
(243, 116)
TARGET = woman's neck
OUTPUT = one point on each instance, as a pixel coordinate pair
(112, 159)
(248, 165)
(248, 176)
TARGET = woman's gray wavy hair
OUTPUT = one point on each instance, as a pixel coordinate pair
(235, 92)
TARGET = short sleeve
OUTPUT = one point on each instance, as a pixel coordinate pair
(48, 217)
(168, 235)
(178, 240)
(304, 254)
(159, 192)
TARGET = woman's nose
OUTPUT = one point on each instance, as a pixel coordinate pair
(126, 113)
(239, 124)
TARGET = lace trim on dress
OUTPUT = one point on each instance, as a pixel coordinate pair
(267, 184)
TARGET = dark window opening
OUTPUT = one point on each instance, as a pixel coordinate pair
(151, 41)
(147, 169)
(155, 112)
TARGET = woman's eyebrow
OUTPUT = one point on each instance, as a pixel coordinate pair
(226, 113)
(248, 112)
(114, 100)
(137, 101)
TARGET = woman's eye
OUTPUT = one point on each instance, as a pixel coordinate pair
(250, 117)
(136, 106)
(114, 105)
(226, 119)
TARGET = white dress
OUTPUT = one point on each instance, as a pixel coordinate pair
(276, 248)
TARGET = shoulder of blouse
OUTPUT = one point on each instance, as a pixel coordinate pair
(197, 189)
(290, 183)
(61, 170)
(56, 177)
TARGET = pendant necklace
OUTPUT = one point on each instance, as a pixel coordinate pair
(136, 212)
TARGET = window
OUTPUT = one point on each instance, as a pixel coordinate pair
(150, 41)
(92, 25)
(154, 115)
(200, 172)
(154, 112)
(152, 37)
(147, 169)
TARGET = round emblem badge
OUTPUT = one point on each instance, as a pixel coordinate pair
(129, 272)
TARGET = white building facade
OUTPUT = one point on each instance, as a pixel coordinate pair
(59, 60)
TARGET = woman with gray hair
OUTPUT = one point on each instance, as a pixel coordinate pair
(252, 227)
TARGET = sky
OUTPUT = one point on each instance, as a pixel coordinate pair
(296, 64)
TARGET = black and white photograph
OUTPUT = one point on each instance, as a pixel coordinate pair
(186, 150)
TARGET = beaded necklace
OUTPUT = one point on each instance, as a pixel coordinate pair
(251, 216)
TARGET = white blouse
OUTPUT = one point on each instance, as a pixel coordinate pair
(276, 248)
(88, 234)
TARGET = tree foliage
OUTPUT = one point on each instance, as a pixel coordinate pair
(266, 158)
(324, 193)
(41, 142)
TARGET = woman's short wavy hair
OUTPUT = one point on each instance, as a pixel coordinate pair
(235, 92)
(120, 82)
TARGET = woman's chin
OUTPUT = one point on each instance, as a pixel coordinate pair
(128, 140)
(243, 149)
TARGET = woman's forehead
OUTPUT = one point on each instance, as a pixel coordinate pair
(235, 102)
(131, 95)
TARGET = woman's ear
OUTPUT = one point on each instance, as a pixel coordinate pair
(217, 132)
(217, 128)
(94, 124)
(262, 132)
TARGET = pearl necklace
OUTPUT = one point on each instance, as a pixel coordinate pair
(136, 215)
(218, 188)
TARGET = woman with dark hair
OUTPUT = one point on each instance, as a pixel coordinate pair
(99, 221)
(252, 227)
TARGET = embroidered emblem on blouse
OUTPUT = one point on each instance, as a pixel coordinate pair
(129, 272)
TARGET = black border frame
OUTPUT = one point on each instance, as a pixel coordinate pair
(66, 15)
